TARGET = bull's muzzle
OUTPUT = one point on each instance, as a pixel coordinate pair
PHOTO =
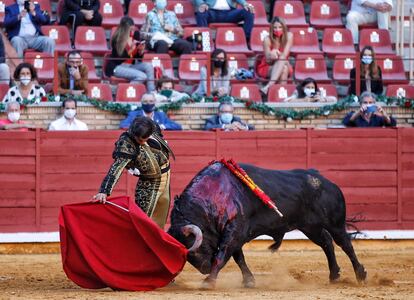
(196, 231)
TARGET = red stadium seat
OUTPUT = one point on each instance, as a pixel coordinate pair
(188, 31)
(4, 87)
(343, 64)
(190, 65)
(400, 91)
(232, 39)
(237, 61)
(279, 92)
(246, 91)
(112, 11)
(130, 92)
(3, 4)
(305, 41)
(100, 91)
(60, 34)
(337, 41)
(138, 10)
(328, 90)
(184, 12)
(160, 60)
(325, 14)
(379, 39)
(291, 11)
(88, 60)
(44, 64)
(91, 39)
(313, 66)
(260, 16)
(392, 68)
(256, 40)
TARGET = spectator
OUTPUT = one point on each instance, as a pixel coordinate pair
(365, 12)
(22, 22)
(274, 63)
(4, 68)
(163, 30)
(148, 110)
(225, 120)
(13, 118)
(225, 11)
(369, 114)
(68, 121)
(307, 91)
(83, 12)
(26, 88)
(370, 73)
(220, 77)
(126, 47)
(73, 75)
(166, 92)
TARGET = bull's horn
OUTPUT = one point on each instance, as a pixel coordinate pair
(194, 229)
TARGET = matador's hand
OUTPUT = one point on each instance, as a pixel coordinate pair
(100, 197)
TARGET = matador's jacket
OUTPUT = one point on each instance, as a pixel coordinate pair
(151, 163)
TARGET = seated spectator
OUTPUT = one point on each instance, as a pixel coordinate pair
(369, 114)
(81, 12)
(166, 92)
(225, 11)
(4, 68)
(126, 47)
(68, 121)
(307, 91)
(225, 120)
(13, 121)
(219, 77)
(26, 87)
(274, 63)
(148, 109)
(370, 74)
(366, 12)
(22, 22)
(73, 75)
(163, 30)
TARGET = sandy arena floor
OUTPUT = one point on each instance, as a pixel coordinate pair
(298, 271)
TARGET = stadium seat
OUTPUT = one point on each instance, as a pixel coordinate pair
(44, 64)
(328, 90)
(325, 14)
(246, 91)
(184, 12)
(305, 41)
(256, 40)
(4, 87)
(379, 39)
(190, 65)
(60, 34)
(91, 39)
(400, 91)
(112, 11)
(260, 16)
(237, 61)
(44, 5)
(162, 60)
(88, 60)
(392, 68)
(130, 92)
(313, 66)
(342, 66)
(291, 11)
(100, 91)
(279, 92)
(188, 31)
(232, 39)
(337, 41)
(138, 10)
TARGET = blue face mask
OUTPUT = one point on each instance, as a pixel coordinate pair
(226, 118)
(161, 4)
(148, 107)
(366, 60)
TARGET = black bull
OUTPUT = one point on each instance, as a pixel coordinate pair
(217, 214)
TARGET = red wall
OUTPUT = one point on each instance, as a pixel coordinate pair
(39, 171)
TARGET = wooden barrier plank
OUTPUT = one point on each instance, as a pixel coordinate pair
(355, 132)
(407, 160)
(194, 147)
(355, 145)
(17, 198)
(189, 135)
(88, 135)
(17, 147)
(59, 198)
(408, 179)
(69, 147)
(13, 135)
(373, 211)
(72, 164)
(350, 161)
(75, 182)
(365, 195)
(17, 181)
(190, 162)
(22, 164)
(366, 179)
(15, 216)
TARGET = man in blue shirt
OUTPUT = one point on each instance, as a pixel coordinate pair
(369, 114)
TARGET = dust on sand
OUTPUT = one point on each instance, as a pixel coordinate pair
(294, 272)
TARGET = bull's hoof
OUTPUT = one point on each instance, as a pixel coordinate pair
(208, 284)
(249, 282)
(334, 278)
(361, 274)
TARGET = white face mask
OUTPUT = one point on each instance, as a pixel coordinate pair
(25, 80)
(70, 113)
(13, 116)
(20, 2)
(309, 92)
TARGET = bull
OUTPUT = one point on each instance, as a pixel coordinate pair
(217, 214)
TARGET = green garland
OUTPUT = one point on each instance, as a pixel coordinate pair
(279, 113)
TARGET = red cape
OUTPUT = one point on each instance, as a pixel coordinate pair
(105, 246)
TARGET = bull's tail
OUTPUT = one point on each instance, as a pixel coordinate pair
(350, 225)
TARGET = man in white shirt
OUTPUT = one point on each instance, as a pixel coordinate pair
(368, 11)
(68, 121)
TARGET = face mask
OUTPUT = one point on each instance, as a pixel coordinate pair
(148, 108)
(366, 60)
(166, 93)
(226, 118)
(13, 116)
(70, 113)
(278, 33)
(161, 4)
(218, 63)
(25, 80)
(309, 92)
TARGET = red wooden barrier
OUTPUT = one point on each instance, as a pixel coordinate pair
(40, 171)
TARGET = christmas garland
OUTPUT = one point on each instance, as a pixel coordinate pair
(279, 113)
